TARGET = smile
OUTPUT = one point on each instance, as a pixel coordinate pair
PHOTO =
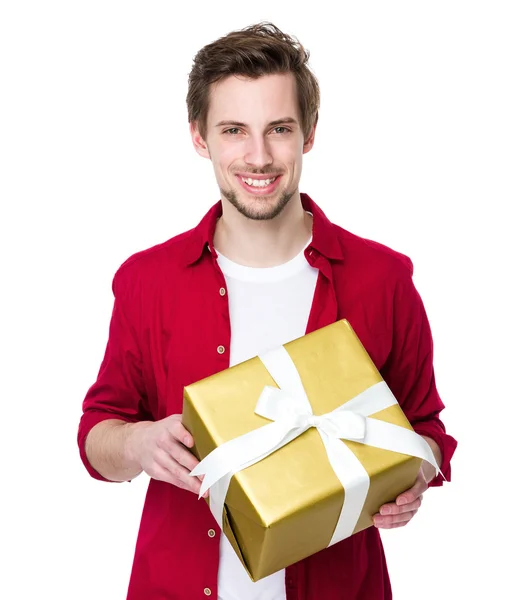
(259, 187)
(258, 182)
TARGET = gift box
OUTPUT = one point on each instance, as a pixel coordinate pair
(301, 447)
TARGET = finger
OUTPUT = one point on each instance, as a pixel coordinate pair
(179, 453)
(187, 459)
(178, 472)
(396, 525)
(394, 509)
(165, 475)
(161, 474)
(180, 433)
(389, 521)
(185, 486)
(416, 491)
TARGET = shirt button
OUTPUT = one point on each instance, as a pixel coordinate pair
(222, 291)
(207, 592)
(220, 349)
(211, 533)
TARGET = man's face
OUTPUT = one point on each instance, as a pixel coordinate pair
(255, 143)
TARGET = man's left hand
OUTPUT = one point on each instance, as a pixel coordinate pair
(399, 513)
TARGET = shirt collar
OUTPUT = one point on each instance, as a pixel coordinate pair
(324, 240)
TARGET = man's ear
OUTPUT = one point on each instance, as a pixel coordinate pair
(199, 144)
(308, 144)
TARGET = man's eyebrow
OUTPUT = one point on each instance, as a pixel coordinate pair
(285, 120)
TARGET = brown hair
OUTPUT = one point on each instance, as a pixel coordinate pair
(257, 50)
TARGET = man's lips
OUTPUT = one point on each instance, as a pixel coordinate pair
(258, 177)
(261, 190)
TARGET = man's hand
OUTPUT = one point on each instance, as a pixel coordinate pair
(399, 513)
(160, 448)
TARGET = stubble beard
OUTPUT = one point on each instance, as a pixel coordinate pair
(262, 210)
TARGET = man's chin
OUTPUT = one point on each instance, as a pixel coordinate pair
(261, 209)
(264, 214)
(257, 208)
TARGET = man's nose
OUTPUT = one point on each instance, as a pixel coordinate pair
(258, 152)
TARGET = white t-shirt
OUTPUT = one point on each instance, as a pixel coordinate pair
(268, 307)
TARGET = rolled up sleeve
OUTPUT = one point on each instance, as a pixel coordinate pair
(409, 370)
(119, 390)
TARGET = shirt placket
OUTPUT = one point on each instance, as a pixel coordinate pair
(219, 300)
(220, 292)
(324, 308)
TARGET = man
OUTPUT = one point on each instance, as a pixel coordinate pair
(263, 267)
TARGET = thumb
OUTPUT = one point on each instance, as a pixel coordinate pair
(410, 495)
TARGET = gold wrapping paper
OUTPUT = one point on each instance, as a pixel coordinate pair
(285, 507)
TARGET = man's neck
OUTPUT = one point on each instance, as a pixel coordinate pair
(263, 243)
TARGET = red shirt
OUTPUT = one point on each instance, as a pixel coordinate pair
(170, 315)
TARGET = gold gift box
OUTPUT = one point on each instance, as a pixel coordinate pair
(286, 507)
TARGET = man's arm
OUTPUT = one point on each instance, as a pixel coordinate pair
(118, 397)
(409, 372)
(118, 436)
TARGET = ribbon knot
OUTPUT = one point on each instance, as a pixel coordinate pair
(314, 421)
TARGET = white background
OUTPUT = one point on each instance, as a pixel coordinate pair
(418, 146)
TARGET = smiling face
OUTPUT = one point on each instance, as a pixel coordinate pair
(255, 143)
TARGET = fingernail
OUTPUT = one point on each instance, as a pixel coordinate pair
(400, 501)
(188, 441)
(385, 510)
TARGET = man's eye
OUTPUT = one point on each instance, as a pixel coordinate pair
(232, 131)
(286, 130)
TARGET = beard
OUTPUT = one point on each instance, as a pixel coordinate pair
(261, 209)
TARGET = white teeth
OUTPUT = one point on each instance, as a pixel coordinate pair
(258, 182)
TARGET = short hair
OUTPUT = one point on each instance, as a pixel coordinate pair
(257, 50)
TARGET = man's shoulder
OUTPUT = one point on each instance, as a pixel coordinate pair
(363, 253)
(167, 256)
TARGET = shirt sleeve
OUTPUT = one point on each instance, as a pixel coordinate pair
(119, 390)
(409, 370)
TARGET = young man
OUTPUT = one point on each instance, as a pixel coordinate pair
(263, 267)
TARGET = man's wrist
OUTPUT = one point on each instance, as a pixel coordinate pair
(131, 441)
(429, 471)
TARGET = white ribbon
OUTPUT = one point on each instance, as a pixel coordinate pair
(290, 410)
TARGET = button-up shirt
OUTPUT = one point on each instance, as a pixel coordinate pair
(170, 327)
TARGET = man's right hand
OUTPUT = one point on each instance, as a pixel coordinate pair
(161, 449)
